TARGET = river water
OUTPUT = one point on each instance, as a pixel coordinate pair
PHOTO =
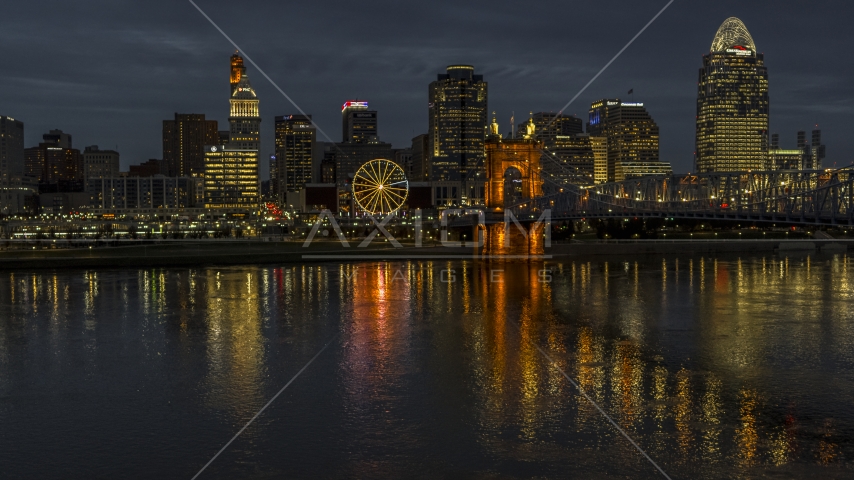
(727, 367)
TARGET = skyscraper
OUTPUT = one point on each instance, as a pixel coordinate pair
(11, 148)
(732, 103)
(421, 158)
(570, 159)
(295, 141)
(54, 161)
(632, 135)
(361, 143)
(184, 140)
(817, 150)
(457, 125)
(359, 125)
(231, 171)
(567, 153)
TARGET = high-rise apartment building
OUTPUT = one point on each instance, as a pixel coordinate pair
(231, 170)
(358, 124)
(11, 148)
(732, 104)
(99, 163)
(184, 140)
(457, 125)
(295, 143)
(632, 135)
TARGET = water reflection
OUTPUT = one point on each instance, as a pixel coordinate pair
(235, 346)
(714, 365)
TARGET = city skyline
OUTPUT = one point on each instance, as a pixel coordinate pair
(806, 88)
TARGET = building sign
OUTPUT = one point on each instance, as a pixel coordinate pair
(631, 105)
(739, 50)
(351, 103)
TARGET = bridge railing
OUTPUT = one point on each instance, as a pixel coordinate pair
(801, 196)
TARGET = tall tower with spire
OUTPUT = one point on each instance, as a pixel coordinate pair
(232, 178)
(237, 70)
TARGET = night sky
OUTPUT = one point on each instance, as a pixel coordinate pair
(110, 71)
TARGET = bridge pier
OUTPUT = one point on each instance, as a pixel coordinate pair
(510, 243)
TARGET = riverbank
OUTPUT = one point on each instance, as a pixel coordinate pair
(242, 252)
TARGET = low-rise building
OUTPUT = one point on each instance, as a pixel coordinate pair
(19, 196)
(629, 170)
(142, 192)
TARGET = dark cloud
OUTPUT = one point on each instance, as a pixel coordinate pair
(110, 71)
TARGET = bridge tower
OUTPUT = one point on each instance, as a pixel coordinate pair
(523, 154)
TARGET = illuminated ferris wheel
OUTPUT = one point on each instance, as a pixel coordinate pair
(380, 187)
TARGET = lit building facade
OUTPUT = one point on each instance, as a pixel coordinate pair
(295, 143)
(807, 156)
(99, 163)
(631, 133)
(732, 104)
(236, 72)
(457, 127)
(11, 148)
(599, 145)
(787, 159)
(629, 170)
(231, 178)
(361, 144)
(568, 159)
(358, 124)
(231, 174)
(142, 192)
(184, 140)
(550, 125)
(54, 161)
(19, 195)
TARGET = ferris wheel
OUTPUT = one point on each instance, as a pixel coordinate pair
(380, 186)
